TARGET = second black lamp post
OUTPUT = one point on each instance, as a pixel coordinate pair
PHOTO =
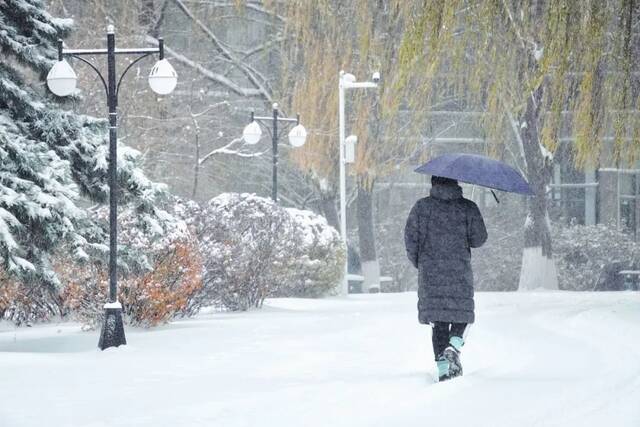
(252, 133)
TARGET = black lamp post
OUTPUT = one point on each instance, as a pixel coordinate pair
(297, 138)
(62, 81)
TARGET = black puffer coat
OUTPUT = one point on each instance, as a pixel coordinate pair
(438, 236)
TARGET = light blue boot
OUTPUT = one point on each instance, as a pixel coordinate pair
(457, 343)
(443, 369)
(452, 354)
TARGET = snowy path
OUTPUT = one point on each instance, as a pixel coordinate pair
(532, 359)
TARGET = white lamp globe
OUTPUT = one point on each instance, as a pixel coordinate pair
(252, 133)
(297, 136)
(61, 79)
(163, 78)
(349, 78)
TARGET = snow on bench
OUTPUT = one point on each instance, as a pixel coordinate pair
(360, 278)
(629, 272)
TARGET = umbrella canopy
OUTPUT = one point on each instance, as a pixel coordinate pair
(479, 170)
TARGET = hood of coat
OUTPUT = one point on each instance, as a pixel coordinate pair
(446, 191)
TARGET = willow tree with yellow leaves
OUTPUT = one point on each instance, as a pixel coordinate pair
(540, 69)
(360, 37)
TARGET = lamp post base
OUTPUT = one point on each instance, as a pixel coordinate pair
(112, 334)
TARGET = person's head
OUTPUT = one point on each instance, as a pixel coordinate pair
(441, 180)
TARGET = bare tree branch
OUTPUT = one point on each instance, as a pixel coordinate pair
(216, 77)
(256, 6)
(227, 149)
(226, 53)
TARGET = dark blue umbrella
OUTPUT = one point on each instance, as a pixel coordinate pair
(479, 170)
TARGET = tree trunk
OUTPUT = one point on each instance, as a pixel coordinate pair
(608, 198)
(329, 209)
(367, 241)
(196, 166)
(538, 268)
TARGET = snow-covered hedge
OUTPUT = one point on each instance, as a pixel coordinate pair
(246, 246)
(233, 253)
(318, 259)
(589, 257)
(23, 303)
(252, 249)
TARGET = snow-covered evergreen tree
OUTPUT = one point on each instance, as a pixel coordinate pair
(51, 160)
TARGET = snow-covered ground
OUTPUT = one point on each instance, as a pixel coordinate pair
(531, 359)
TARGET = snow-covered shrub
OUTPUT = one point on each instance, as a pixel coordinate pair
(589, 257)
(187, 211)
(147, 300)
(159, 289)
(23, 303)
(318, 260)
(85, 291)
(247, 244)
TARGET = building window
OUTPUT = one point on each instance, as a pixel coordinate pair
(567, 198)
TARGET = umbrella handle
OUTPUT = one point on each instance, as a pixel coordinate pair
(495, 197)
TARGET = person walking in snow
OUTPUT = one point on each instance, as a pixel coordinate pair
(439, 233)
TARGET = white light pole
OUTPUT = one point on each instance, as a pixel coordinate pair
(347, 81)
